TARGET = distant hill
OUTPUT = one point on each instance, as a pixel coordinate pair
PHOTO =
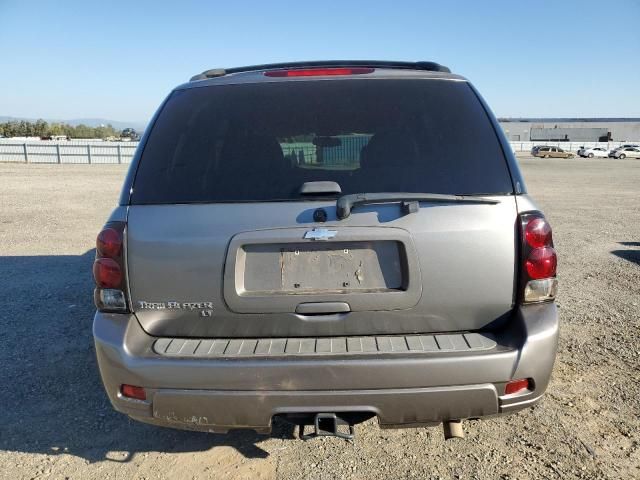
(90, 122)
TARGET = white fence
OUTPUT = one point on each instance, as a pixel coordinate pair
(91, 151)
(75, 151)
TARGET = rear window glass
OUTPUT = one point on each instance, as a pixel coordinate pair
(261, 142)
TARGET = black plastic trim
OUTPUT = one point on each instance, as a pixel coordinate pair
(424, 65)
(125, 193)
(517, 180)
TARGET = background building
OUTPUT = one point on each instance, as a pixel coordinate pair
(571, 129)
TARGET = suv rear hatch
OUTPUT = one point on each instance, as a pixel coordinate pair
(224, 241)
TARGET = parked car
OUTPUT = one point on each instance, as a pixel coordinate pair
(624, 152)
(57, 138)
(129, 134)
(233, 286)
(593, 152)
(535, 148)
(553, 152)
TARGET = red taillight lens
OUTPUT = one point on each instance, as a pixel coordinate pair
(542, 263)
(319, 72)
(515, 386)
(109, 269)
(109, 243)
(537, 233)
(131, 391)
(538, 259)
(107, 273)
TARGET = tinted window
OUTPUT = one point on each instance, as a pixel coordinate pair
(261, 142)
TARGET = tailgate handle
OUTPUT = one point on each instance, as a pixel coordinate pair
(322, 308)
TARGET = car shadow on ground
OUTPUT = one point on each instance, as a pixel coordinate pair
(632, 256)
(52, 398)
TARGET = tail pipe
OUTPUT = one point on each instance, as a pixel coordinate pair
(452, 429)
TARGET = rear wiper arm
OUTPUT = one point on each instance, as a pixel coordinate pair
(410, 201)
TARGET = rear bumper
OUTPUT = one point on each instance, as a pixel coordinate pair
(217, 394)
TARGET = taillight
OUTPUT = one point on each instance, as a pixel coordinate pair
(109, 242)
(541, 263)
(109, 269)
(539, 260)
(537, 233)
(107, 273)
(318, 72)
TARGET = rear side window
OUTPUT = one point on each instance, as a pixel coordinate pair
(261, 142)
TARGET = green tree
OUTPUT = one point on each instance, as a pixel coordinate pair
(23, 129)
(40, 128)
(83, 131)
(55, 129)
(12, 129)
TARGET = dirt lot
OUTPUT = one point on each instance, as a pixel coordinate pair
(56, 422)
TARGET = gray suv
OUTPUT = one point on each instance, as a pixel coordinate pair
(325, 242)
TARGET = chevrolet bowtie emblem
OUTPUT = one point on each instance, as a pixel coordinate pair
(320, 234)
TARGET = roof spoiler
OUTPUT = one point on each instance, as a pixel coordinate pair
(427, 66)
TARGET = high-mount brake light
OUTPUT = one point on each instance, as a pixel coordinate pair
(538, 259)
(319, 72)
(109, 269)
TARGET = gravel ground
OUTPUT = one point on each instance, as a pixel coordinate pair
(56, 422)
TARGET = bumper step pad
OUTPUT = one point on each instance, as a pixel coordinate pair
(282, 347)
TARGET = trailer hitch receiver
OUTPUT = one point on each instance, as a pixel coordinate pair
(328, 425)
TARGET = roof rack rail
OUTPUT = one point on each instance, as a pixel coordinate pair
(428, 66)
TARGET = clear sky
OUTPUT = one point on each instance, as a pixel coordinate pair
(119, 59)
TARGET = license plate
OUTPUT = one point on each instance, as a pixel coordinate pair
(364, 266)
